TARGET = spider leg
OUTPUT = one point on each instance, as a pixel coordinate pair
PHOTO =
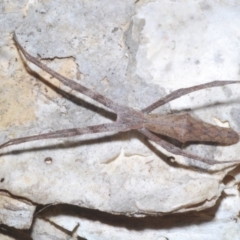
(183, 91)
(68, 82)
(175, 150)
(107, 127)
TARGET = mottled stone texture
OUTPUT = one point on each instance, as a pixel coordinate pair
(134, 53)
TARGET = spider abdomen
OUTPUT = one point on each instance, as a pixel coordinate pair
(185, 128)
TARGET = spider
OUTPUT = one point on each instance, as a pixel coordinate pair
(182, 127)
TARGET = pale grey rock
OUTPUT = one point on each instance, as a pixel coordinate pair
(43, 230)
(15, 212)
(134, 58)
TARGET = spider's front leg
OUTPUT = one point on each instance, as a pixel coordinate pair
(107, 127)
(68, 82)
(127, 118)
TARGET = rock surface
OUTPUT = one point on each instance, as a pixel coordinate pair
(133, 53)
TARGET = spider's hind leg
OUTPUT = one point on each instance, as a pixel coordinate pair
(183, 91)
(177, 151)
